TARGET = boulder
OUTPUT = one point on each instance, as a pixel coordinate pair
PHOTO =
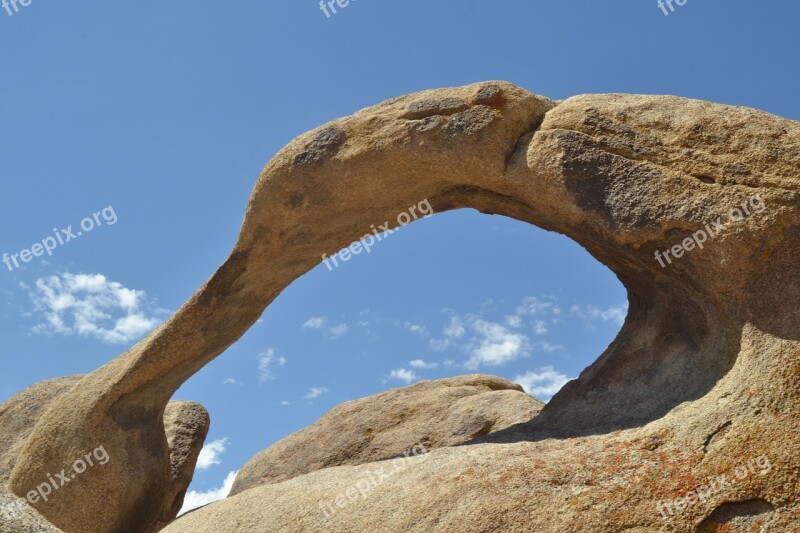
(186, 425)
(426, 415)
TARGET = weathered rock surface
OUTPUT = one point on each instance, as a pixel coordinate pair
(186, 425)
(20, 413)
(583, 484)
(702, 378)
(426, 415)
(16, 516)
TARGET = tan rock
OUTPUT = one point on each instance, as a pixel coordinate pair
(409, 420)
(702, 378)
(186, 425)
(20, 413)
(17, 516)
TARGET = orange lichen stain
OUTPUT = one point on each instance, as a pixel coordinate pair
(505, 478)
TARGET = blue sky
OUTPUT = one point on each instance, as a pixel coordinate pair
(157, 119)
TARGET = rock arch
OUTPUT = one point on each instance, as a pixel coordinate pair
(624, 176)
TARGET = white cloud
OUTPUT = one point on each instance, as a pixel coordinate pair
(210, 453)
(539, 327)
(439, 345)
(496, 346)
(266, 361)
(320, 322)
(513, 321)
(315, 322)
(232, 381)
(195, 499)
(542, 384)
(615, 314)
(285, 402)
(546, 305)
(419, 363)
(416, 328)
(338, 331)
(406, 376)
(90, 305)
(315, 392)
(548, 347)
(453, 330)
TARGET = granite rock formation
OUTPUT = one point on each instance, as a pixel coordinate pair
(409, 420)
(185, 424)
(701, 381)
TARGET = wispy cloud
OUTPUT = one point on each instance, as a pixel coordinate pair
(89, 305)
(404, 375)
(453, 331)
(195, 499)
(416, 328)
(315, 322)
(548, 346)
(495, 346)
(615, 314)
(210, 454)
(266, 361)
(315, 392)
(419, 363)
(539, 306)
(489, 343)
(232, 381)
(543, 383)
(321, 322)
(338, 331)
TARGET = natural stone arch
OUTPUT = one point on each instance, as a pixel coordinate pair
(611, 172)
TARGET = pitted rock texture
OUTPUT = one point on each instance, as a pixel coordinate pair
(185, 423)
(16, 516)
(711, 341)
(410, 420)
(19, 415)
